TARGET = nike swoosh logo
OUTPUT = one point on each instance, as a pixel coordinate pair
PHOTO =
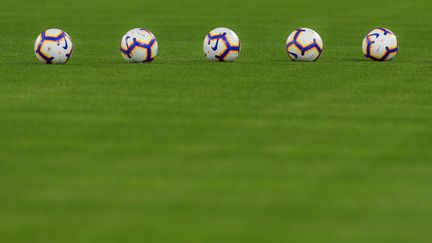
(127, 41)
(217, 42)
(293, 54)
(66, 44)
(376, 35)
(216, 46)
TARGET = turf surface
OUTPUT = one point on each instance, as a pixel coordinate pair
(184, 150)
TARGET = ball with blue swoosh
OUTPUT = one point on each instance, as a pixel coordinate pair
(139, 45)
(304, 45)
(380, 44)
(222, 45)
(53, 46)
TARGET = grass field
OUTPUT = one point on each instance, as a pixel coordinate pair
(185, 150)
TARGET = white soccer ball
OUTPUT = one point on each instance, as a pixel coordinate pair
(139, 46)
(53, 46)
(380, 44)
(222, 45)
(304, 45)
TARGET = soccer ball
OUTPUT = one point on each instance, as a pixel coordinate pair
(304, 45)
(139, 46)
(380, 44)
(222, 45)
(53, 46)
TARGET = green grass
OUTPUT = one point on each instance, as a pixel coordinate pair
(185, 150)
